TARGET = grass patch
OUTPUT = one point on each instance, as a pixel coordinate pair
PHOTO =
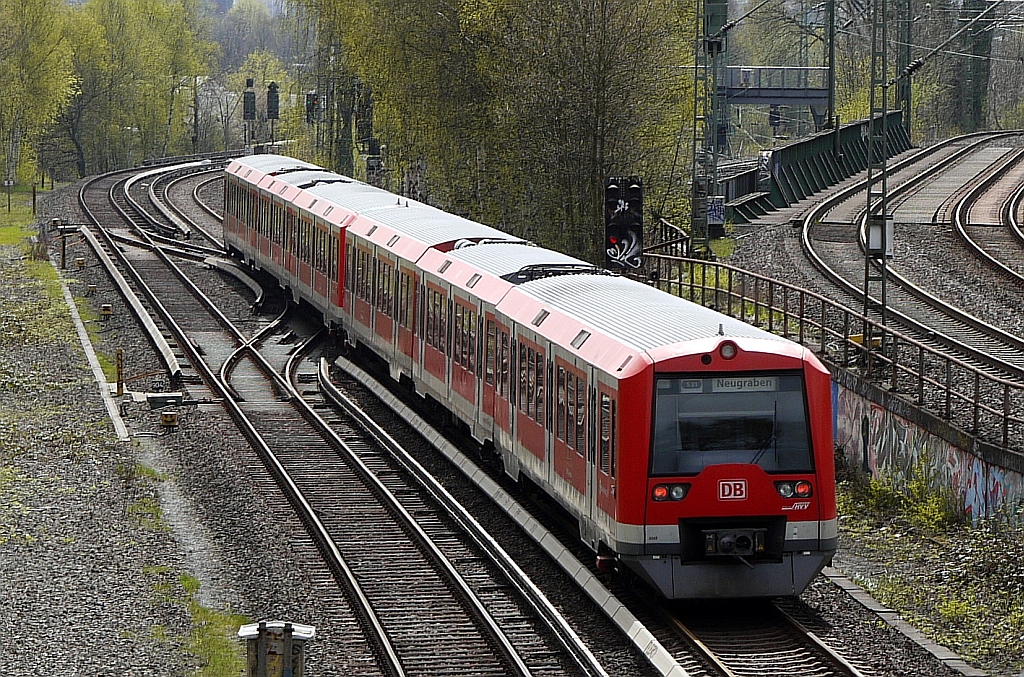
(91, 321)
(15, 225)
(961, 584)
(213, 638)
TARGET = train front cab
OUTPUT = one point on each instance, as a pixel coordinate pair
(740, 493)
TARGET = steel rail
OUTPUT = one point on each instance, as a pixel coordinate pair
(505, 645)
(964, 348)
(960, 218)
(320, 535)
(570, 641)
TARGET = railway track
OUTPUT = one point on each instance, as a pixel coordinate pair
(836, 250)
(985, 219)
(761, 639)
(431, 595)
(265, 378)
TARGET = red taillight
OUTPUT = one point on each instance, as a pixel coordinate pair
(803, 489)
(797, 489)
(670, 492)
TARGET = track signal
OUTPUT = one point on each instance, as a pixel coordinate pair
(249, 105)
(623, 222)
(273, 102)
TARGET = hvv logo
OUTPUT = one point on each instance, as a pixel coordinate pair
(732, 490)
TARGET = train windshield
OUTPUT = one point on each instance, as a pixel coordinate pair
(748, 418)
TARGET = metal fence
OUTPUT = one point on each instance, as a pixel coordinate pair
(984, 406)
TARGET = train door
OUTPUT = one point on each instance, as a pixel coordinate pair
(603, 456)
(435, 337)
(277, 232)
(531, 394)
(266, 218)
(383, 320)
(496, 396)
(362, 285)
(336, 269)
(405, 316)
(464, 352)
(570, 434)
(320, 253)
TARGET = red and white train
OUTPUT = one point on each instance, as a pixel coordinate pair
(694, 449)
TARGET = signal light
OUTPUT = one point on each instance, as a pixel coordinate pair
(803, 489)
(728, 350)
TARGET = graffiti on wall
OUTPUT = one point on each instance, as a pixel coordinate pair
(891, 447)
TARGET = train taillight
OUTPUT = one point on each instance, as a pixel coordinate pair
(670, 492)
(791, 489)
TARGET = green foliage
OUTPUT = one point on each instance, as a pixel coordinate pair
(920, 499)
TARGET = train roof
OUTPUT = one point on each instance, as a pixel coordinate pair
(273, 164)
(517, 261)
(635, 314)
(432, 226)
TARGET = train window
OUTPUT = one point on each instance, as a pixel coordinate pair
(385, 287)
(334, 259)
(581, 416)
(607, 457)
(531, 382)
(560, 405)
(522, 377)
(491, 352)
(473, 280)
(350, 267)
(756, 418)
(436, 321)
(506, 371)
(539, 408)
(570, 401)
(471, 348)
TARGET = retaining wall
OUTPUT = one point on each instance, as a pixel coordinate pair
(885, 436)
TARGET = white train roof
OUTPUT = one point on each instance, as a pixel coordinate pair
(420, 221)
(508, 260)
(271, 164)
(633, 313)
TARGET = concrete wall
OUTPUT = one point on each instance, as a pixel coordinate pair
(876, 438)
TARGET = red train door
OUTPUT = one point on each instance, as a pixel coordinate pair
(407, 284)
(530, 417)
(384, 302)
(570, 424)
(604, 468)
(464, 338)
(495, 393)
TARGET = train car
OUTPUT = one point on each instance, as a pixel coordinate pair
(694, 450)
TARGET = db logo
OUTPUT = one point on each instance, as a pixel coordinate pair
(732, 490)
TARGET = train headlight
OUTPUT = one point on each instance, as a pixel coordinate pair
(785, 489)
(728, 350)
(670, 492)
(803, 489)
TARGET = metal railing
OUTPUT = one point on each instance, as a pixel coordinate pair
(972, 400)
